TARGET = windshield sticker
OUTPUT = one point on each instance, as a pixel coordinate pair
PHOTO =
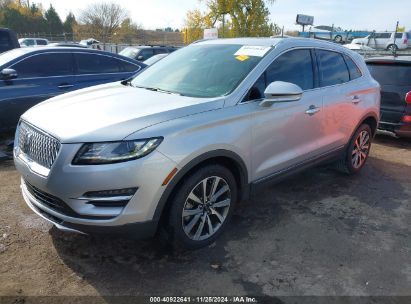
(252, 50)
(242, 57)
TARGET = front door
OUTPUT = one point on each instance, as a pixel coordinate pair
(286, 134)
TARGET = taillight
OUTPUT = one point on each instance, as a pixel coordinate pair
(408, 98)
(405, 40)
(406, 118)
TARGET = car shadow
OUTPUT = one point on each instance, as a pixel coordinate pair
(116, 266)
(392, 141)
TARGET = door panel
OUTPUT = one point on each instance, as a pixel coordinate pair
(284, 135)
(40, 77)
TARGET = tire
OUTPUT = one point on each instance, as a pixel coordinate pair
(392, 48)
(338, 39)
(356, 154)
(193, 230)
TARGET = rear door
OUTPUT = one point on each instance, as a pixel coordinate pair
(94, 69)
(342, 98)
(39, 77)
(395, 81)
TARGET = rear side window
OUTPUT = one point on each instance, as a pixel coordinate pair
(41, 42)
(145, 54)
(398, 35)
(333, 69)
(45, 65)
(295, 67)
(391, 74)
(383, 35)
(96, 64)
(128, 67)
(160, 51)
(353, 69)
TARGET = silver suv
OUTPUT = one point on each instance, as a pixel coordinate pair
(174, 149)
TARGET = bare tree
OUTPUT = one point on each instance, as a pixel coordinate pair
(103, 18)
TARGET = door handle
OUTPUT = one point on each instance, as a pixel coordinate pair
(65, 86)
(355, 99)
(312, 110)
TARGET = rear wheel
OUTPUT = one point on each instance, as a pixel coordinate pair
(357, 152)
(392, 48)
(202, 207)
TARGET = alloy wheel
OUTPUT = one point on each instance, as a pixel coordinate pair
(206, 208)
(361, 149)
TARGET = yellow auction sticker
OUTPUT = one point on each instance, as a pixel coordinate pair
(242, 57)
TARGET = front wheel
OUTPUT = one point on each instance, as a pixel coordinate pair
(202, 207)
(357, 152)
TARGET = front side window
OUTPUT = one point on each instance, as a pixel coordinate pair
(45, 65)
(95, 64)
(200, 70)
(332, 67)
(295, 67)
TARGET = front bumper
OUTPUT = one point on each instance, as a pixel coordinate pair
(68, 183)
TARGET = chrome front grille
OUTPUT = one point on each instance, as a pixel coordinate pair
(38, 145)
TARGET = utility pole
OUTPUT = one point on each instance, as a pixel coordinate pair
(394, 52)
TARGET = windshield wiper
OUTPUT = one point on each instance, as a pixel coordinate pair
(159, 90)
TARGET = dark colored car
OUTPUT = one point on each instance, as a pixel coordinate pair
(8, 40)
(394, 76)
(31, 75)
(143, 52)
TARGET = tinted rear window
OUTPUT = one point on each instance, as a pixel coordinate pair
(355, 72)
(5, 42)
(391, 74)
(333, 69)
(95, 64)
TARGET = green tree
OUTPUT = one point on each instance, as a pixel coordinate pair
(54, 24)
(69, 23)
(247, 18)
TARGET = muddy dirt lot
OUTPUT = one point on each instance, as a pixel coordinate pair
(318, 233)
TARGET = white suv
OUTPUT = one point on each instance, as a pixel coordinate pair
(385, 40)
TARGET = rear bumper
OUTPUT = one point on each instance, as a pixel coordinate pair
(400, 129)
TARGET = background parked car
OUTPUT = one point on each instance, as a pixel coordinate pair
(8, 40)
(155, 58)
(394, 76)
(328, 33)
(143, 52)
(68, 44)
(385, 40)
(31, 75)
(24, 42)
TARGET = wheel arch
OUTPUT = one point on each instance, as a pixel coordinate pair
(227, 158)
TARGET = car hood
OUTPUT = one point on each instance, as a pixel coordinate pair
(110, 112)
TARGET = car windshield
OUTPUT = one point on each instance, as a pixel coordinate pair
(129, 52)
(205, 70)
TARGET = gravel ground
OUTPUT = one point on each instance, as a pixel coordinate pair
(317, 233)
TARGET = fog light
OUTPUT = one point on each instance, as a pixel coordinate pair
(111, 193)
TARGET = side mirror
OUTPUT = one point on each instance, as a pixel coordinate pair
(140, 57)
(280, 91)
(7, 74)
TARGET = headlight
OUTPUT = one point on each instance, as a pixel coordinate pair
(115, 152)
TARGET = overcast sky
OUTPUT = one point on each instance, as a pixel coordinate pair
(348, 14)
